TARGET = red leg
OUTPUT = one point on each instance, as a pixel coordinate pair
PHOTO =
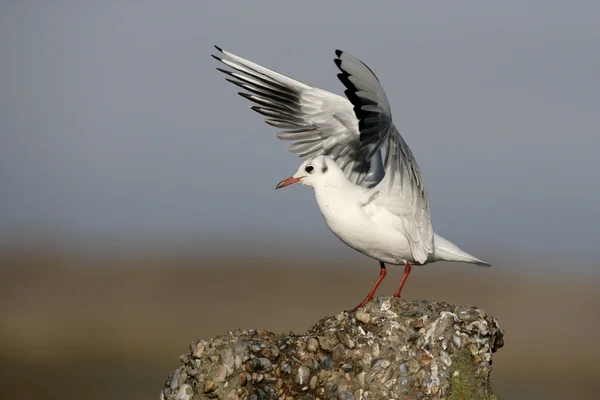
(406, 272)
(369, 297)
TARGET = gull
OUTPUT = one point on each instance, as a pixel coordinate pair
(366, 180)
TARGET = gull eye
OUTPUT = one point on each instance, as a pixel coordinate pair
(309, 168)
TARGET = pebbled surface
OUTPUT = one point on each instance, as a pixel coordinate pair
(391, 349)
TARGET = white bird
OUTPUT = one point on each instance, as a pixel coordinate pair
(366, 179)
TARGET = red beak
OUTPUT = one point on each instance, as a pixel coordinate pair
(287, 182)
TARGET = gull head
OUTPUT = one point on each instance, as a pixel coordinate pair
(313, 171)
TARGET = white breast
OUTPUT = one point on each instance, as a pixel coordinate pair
(345, 215)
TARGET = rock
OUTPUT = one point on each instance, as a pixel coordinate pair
(390, 349)
(302, 376)
(362, 316)
(220, 374)
(185, 392)
(327, 363)
(261, 364)
(312, 345)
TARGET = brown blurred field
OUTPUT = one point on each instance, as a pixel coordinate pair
(114, 327)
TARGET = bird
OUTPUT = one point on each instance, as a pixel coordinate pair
(366, 180)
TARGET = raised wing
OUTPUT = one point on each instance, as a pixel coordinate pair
(401, 191)
(314, 120)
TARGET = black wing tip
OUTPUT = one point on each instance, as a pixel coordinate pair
(216, 58)
(218, 48)
(338, 62)
(356, 101)
(351, 89)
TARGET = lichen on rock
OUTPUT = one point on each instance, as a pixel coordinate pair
(391, 349)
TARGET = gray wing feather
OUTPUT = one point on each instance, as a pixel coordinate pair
(314, 120)
(401, 191)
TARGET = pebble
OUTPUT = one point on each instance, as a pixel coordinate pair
(185, 392)
(361, 378)
(479, 326)
(327, 363)
(313, 382)
(209, 386)
(233, 395)
(184, 358)
(362, 316)
(261, 364)
(346, 396)
(271, 392)
(286, 369)
(254, 346)
(379, 364)
(473, 348)
(261, 394)
(302, 375)
(337, 352)
(313, 365)
(270, 352)
(197, 348)
(174, 381)
(346, 339)
(220, 374)
(387, 375)
(445, 358)
(328, 341)
(456, 341)
(243, 378)
(237, 361)
(367, 359)
(425, 358)
(312, 345)
(403, 369)
(183, 376)
(468, 315)
(228, 360)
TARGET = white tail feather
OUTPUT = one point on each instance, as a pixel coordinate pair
(445, 250)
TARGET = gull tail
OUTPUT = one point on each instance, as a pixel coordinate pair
(445, 250)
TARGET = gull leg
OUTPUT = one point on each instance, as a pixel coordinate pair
(406, 272)
(369, 297)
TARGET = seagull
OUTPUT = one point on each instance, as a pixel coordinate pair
(366, 180)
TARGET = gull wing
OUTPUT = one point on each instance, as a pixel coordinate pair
(401, 191)
(316, 121)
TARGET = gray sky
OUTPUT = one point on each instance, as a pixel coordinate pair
(113, 119)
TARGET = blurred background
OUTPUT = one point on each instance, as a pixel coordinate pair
(137, 209)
